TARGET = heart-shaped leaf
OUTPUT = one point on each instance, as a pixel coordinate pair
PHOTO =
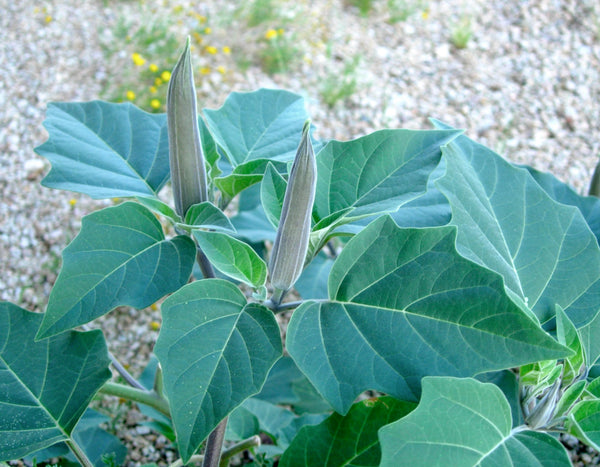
(404, 304)
(216, 351)
(207, 216)
(264, 124)
(105, 150)
(120, 257)
(462, 422)
(584, 422)
(46, 385)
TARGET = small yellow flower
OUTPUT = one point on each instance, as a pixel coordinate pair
(48, 18)
(72, 201)
(154, 325)
(153, 67)
(165, 76)
(155, 104)
(226, 50)
(177, 9)
(130, 95)
(211, 49)
(116, 200)
(158, 82)
(36, 10)
(207, 30)
(205, 70)
(425, 14)
(153, 89)
(138, 60)
(154, 307)
(221, 69)
(197, 36)
(270, 34)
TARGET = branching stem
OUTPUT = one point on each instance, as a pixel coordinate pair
(142, 396)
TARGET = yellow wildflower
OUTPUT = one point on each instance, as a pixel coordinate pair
(165, 76)
(138, 60)
(158, 82)
(153, 67)
(72, 201)
(154, 307)
(270, 34)
(153, 89)
(425, 13)
(207, 30)
(221, 69)
(130, 95)
(204, 70)
(197, 36)
(154, 325)
(226, 50)
(155, 104)
(48, 19)
(36, 10)
(211, 49)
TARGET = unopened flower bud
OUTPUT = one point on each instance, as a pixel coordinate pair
(291, 242)
(188, 174)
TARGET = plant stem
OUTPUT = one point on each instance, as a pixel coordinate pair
(227, 453)
(281, 307)
(212, 453)
(207, 270)
(124, 373)
(149, 398)
(78, 453)
(237, 448)
(158, 382)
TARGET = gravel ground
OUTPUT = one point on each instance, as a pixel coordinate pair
(527, 85)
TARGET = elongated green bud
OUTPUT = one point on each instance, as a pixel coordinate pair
(188, 174)
(291, 242)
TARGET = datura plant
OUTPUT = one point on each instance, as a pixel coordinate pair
(403, 298)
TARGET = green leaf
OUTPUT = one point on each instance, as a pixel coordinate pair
(282, 424)
(120, 257)
(404, 304)
(287, 385)
(462, 422)
(46, 385)
(272, 192)
(593, 388)
(263, 124)
(345, 440)
(207, 216)
(568, 399)
(105, 150)
(567, 335)
(232, 257)
(376, 173)
(215, 351)
(544, 250)
(508, 383)
(584, 422)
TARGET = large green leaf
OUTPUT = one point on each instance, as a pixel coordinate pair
(120, 257)
(349, 440)
(544, 250)
(465, 423)
(233, 257)
(45, 386)
(251, 221)
(376, 173)
(207, 216)
(216, 351)
(264, 124)
(105, 150)
(404, 304)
